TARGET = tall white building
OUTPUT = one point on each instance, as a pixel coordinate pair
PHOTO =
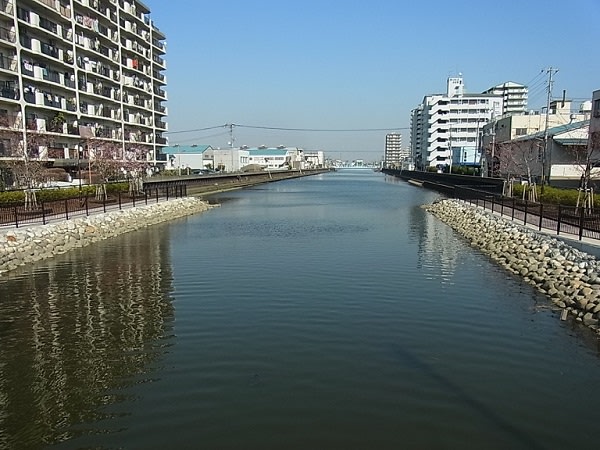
(75, 70)
(393, 150)
(514, 96)
(445, 128)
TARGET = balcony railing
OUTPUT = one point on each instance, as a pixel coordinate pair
(50, 50)
(7, 35)
(50, 100)
(10, 92)
(6, 6)
(48, 25)
(51, 76)
(25, 41)
(29, 97)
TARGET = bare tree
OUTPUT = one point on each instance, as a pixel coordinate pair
(520, 160)
(586, 159)
(106, 157)
(135, 164)
(24, 156)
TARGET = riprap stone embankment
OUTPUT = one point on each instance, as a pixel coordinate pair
(22, 246)
(568, 276)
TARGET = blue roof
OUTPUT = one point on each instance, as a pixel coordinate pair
(267, 151)
(185, 149)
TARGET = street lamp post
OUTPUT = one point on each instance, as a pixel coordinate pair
(79, 151)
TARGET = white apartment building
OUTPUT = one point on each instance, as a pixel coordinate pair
(72, 71)
(393, 150)
(445, 128)
(314, 159)
(514, 96)
(416, 137)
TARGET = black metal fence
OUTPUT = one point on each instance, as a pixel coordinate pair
(17, 214)
(578, 221)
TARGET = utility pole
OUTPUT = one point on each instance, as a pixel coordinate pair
(546, 156)
(231, 138)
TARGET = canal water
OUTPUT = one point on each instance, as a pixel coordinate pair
(324, 312)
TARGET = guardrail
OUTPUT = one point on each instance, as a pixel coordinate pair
(578, 221)
(18, 215)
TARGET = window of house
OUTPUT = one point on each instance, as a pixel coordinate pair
(520, 131)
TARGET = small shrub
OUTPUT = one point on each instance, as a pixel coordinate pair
(51, 195)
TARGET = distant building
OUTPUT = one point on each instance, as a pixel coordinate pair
(277, 158)
(445, 128)
(314, 159)
(230, 159)
(561, 160)
(416, 136)
(393, 150)
(514, 96)
(187, 158)
(508, 127)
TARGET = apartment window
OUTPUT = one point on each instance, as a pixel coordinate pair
(520, 131)
(597, 108)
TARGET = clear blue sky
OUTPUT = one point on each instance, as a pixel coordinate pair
(321, 64)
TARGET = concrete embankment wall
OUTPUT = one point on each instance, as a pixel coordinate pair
(570, 277)
(22, 246)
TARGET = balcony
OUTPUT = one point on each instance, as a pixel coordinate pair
(52, 76)
(27, 68)
(10, 92)
(52, 101)
(158, 44)
(8, 63)
(10, 120)
(29, 96)
(8, 35)
(158, 60)
(23, 14)
(25, 41)
(7, 6)
(50, 50)
(48, 25)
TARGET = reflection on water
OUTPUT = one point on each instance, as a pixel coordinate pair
(76, 330)
(324, 312)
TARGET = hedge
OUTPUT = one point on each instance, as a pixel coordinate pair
(556, 196)
(48, 195)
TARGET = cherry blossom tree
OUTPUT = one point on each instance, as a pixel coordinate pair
(24, 155)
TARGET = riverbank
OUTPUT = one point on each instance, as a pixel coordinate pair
(569, 277)
(26, 245)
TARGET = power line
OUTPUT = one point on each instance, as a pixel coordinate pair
(263, 127)
(197, 138)
(326, 130)
(194, 130)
